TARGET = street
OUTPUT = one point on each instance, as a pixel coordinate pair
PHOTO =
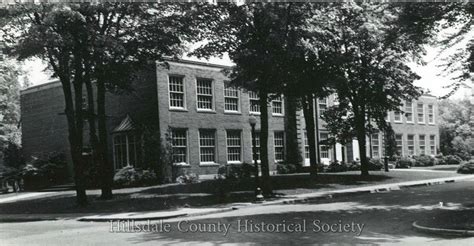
(382, 218)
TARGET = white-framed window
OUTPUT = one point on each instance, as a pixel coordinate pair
(204, 94)
(125, 150)
(254, 102)
(411, 144)
(257, 146)
(179, 145)
(322, 105)
(420, 111)
(176, 90)
(279, 142)
(277, 106)
(409, 111)
(422, 144)
(399, 141)
(231, 98)
(306, 145)
(375, 145)
(432, 144)
(207, 146)
(234, 146)
(431, 114)
(397, 116)
(323, 149)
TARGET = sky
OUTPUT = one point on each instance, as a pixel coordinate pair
(431, 74)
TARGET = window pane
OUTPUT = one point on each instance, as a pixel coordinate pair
(254, 102)
(277, 106)
(176, 87)
(207, 145)
(279, 142)
(179, 143)
(204, 94)
(233, 146)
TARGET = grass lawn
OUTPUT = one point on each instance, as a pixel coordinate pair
(207, 193)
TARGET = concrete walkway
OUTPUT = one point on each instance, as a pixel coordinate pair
(25, 196)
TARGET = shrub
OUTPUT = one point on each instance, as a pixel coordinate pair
(404, 162)
(131, 177)
(423, 161)
(284, 168)
(33, 178)
(335, 167)
(439, 160)
(187, 178)
(375, 164)
(235, 171)
(466, 168)
(354, 166)
(452, 159)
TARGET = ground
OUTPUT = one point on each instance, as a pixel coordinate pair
(387, 219)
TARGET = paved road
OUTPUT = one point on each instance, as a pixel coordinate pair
(383, 218)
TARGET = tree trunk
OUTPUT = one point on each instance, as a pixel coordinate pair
(308, 112)
(361, 139)
(266, 183)
(93, 139)
(106, 170)
(293, 154)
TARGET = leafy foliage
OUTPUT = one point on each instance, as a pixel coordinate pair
(466, 168)
(131, 177)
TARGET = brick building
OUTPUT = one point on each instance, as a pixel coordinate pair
(191, 105)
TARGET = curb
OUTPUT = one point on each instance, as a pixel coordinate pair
(443, 231)
(157, 217)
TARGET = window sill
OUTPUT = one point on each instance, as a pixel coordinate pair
(182, 165)
(254, 113)
(208, 164)
(208, 111)
(398, 122)
(278, 115)
(234, 162)
(421, 123)
(178, 109)
(233, 112)
(432, 124)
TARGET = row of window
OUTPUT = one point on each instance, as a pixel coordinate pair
(323, 149)
(422, 111)
(426, 144)
(207, 146)
(205, 97)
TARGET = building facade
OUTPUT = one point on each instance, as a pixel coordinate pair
(206, 121)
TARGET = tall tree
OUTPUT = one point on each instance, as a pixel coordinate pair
(371, 76)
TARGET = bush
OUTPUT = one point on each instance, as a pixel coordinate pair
(423, 161)
(466, 168)
(187, 178)
(354, 166)
(235, 171)
(404, 162)
(283, 168)
(452, 159)
(335, 167)
(33, 178)
(134, 177)
(375, 164)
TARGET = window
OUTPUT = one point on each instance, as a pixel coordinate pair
(231, 99)
(375, 145)
(254, 102)
(323, 105)
(432, 145)
(387, 117)
(420, 109)
(397, 116)
(306, 146)
(204, 94)
(233, 146)
(179, 143)
(399, 141)
(277, 106)
(422, 144)
(324, 149)
(279, 141)
(257, 146)
(431, 119)
(409, 111)
(207, 146)
(411, 144)
(125, 150)
(176, 87)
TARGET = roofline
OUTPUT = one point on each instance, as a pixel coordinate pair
(47, 85)
(199, 63)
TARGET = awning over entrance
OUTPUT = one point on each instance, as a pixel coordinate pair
(126, 125)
